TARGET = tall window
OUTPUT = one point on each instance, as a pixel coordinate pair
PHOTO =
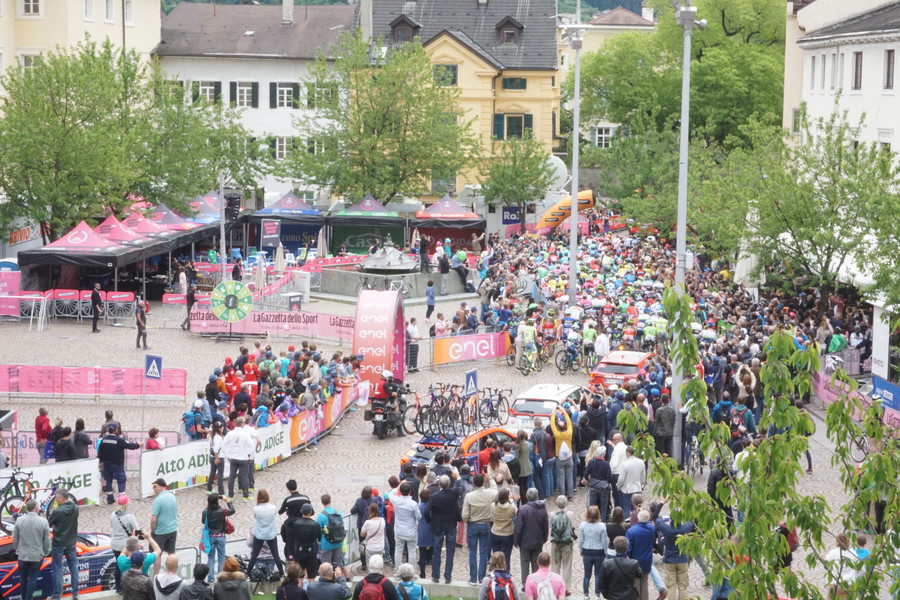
(31, 7)
(321, 95)
(283, 95)
(812, 73)
(446, 75)
(315, 145)
(834, 64)
(604, 137)
(824, 68)
(110, 10)
(796, 121)
(242, 94)
(88, 10)
(888, 69)
(283, 146)
(512, 126)
(29, 60)
(840, 81)
(443, 182)
(515, 126)
(857, 70)
(129, 12)
(209, 90)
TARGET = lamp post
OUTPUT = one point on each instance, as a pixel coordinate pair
(575, 32)
(686, 16)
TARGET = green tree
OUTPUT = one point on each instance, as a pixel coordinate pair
(812, 201)
(85, 128)
(737, 69)
(383, 124)
(769, 491)
(516, 174)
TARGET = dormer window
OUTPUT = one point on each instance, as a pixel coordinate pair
(404, 29)
(509, 30)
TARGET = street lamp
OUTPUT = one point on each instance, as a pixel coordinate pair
(686, 16)
(574, 33)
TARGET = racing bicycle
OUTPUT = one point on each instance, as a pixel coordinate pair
(530, 361)
(14, 506)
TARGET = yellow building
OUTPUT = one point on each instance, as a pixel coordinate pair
(501, 54)
(29, 28)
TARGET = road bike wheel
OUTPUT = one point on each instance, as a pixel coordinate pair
(12, 507)
(503, 411)
(562, 361)
(486, 412)
(524, 365)
(539, 364)
(410, 418)
(859, 447)
(511, 356)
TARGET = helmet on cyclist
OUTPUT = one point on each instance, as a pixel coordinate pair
(529, 322)
(387, 374)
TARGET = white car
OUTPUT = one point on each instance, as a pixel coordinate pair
(540, 400)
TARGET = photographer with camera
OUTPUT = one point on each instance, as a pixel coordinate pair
(132, 545)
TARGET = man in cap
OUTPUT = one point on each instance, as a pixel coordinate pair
(301, 540)
(163, 520)
(111, 455)
(136, 585)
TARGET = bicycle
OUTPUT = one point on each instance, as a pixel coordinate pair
(530, 361)
(14, 506)
(399, 285)
(693, 465)
(565, 360)
(859, 446)
(366, 283)
(18, 484)
(511, 355)
(495, 406)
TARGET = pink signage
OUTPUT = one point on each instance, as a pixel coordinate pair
(470, 347)
(284, 323)
(380, 336)
(90, 381)
(9, 286)
(828, 393)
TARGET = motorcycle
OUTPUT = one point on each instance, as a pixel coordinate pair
(387, 414)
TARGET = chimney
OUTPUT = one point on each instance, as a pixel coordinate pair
(647, 12)
(287, 12)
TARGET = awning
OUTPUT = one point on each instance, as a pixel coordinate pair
(290, 208)
(82, 246)
(448, 214)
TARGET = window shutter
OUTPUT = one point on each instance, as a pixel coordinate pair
(217, 89)
(272, 146)
(498, 126)
(295, 95)
(528, 122)
(273, 95)
(254, 94)
(232, 92)
(195, 91)
(505, 83)
(310, 95)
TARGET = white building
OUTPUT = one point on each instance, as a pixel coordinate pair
(846, 54)
(257, 58)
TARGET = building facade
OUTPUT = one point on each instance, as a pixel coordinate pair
(843, 58)
(29, 28)
(257, 58)
(501, 54)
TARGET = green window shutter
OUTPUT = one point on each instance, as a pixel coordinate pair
(217, 88)
(295, 94)
(195, 91)
(272, 146)
(273, 95)
(528, 122)
(232, 92)
(506, 83)
(498, 126)
(310, 95)
(254, 94)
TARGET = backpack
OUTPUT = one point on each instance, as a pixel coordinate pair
(723, 414)
(431, 331)
(737, 420)
(545, 589)
(501, 586)
(560, 530)
(334, 528)
(792, 539)
(371, 590)
(189, 422)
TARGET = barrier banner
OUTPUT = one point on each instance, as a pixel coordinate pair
(90, 381)
(307, 425)
(9, 286)
(470, 347)
(380, 336)
(273, 446)
(181, 466)
(828, 393)
(285, 323)
(82, 477)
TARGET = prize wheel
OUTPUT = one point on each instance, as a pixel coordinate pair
(231, 301)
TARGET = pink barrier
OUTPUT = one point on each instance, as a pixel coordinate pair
(9, 286)
(284, 323)
(70, 294)
(828, 393)
(89, 381)
(119, 297)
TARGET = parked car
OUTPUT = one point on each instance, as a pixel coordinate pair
(96, 568)
(424, 450)
(540, 400)
(619, 366)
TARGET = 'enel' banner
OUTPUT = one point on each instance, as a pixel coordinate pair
(470, 347)
(380, 336)
(90, 381)
(284, 323)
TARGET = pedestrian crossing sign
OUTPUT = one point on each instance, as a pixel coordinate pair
(153, 367)
(471, 383)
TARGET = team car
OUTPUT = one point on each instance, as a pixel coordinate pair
(458, 448)
(540, 400)
(96, 568)
(618, 367)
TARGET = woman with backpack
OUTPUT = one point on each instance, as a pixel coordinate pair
(214, 517)
(498, 583)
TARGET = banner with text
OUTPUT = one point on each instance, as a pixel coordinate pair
(828, 393)
(470, 347)
(90, 381)
(270, 233)
(273, 445)
(181, 466)
(9, 286)
(380, 336)
(81, 477)
(283, 323)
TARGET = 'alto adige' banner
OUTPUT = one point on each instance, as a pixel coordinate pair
(470, 347)
(81, 477)
(279, 323)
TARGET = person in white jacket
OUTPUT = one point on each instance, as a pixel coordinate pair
(238, 449)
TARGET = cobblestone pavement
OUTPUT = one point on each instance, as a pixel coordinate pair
(347, 459)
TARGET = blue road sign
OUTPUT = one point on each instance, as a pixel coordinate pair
(153, 367)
